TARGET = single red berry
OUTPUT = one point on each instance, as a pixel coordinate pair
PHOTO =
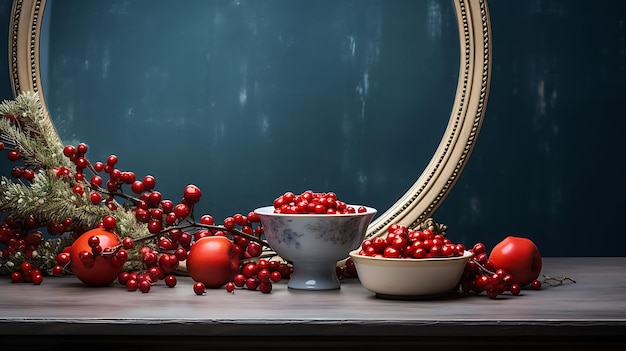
(78, 190)
(181, 253)
(132, 284)
(239, 280)
(249, 270)
(95, 197)
(192, 193)
(199, 288)
(276, 276)
(265, 287)
(170, 280)
(144, 286)
(165, 244)
(149, 182)
(123, 277)
(16, 277)
(536, 284)
(229, 223)
(240, 219)
(81, 163)
(254, 249)
(207, 219)
(252, 283)
(137, 187)
(37, 278)
(98, 166)
(29, 174)
(82, 148)
(515, 289)
(155, 197)
(264, 275)
(26, 267)
(182, 211)
(109, 223)
(14, 155)
(155, 226)
(167, 206)
(112, 160)
(57, 270)
(127, 243)
(93, 241)
(69, 150)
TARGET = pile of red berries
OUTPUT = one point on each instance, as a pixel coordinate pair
(143, 281)
(402, 242)
(347, 270)
(28, 274)
(313, 203)
(19, 236)
(255, 275)
(481, 275)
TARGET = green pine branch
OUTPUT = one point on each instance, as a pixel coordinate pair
(26, 127)
(31, 132)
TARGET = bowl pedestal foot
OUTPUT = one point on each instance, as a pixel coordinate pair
(314, 276)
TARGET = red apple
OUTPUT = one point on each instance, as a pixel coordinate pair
(519, 257)
(213, 260)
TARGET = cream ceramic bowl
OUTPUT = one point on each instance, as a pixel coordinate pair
(314, 243)
(400, 278)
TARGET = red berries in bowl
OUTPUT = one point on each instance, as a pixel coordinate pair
(314, 231)
(406, 264)
(402, 242)
(310, 202)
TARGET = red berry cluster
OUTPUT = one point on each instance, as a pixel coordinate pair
(402, 242)
(63, 259)
(157, 265)
(143, 281)
(174, 244)
(23, 171)
(348, 270)
(313, 203)
(260, 275)
(19, 236)
(27, 274)
(481, 275)
(173, 224)
(254, 275)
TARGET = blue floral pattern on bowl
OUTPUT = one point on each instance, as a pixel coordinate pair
(314, 243)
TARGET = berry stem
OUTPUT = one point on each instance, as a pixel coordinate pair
(555, 281)
(234, 231)
(483, 268)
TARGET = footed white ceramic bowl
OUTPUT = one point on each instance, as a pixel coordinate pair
(405, 278)
(314, 243)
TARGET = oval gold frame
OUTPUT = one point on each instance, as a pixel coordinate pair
(428, 192)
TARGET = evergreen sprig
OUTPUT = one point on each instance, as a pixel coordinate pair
(31, 132)
(26, 127)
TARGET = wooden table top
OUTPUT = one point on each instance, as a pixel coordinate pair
(572, 315)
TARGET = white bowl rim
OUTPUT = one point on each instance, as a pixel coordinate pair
(269, 211)
(355, 253)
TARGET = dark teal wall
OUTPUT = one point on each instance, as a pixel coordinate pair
(549, 159)
(549, 162)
